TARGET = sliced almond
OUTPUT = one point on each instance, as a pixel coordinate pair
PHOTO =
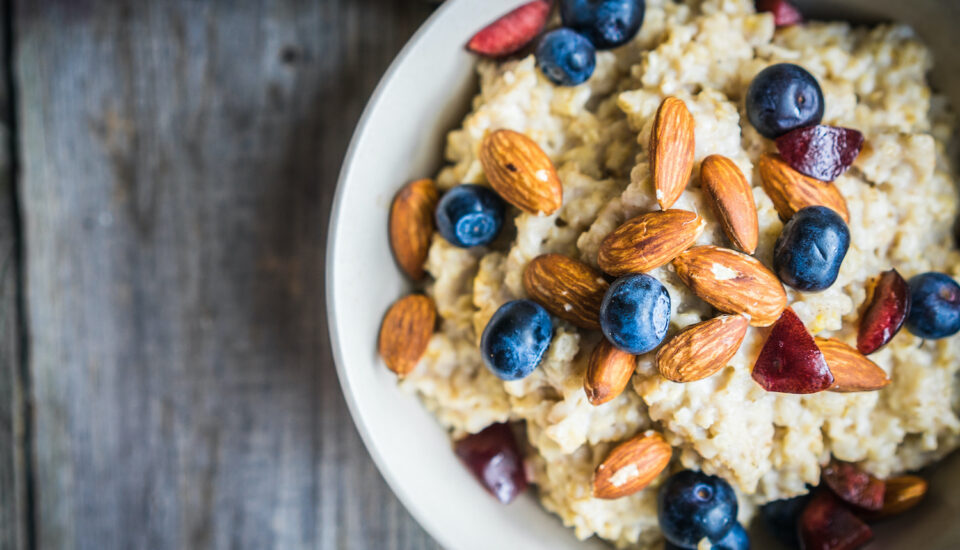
(672, 146)
(791, 191)
(729, 192)
(649, 241)
(733, 282)
(608, 373)
(519, 170)
(852, 371)
(567, 288)
(406, 331)
(702, 349)
(901, 494)
(631, 466)
(411, 225)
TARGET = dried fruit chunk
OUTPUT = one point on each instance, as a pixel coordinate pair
(411, 225)
(821, 152)
(631, 466)
(790, 361)
(784, 13)
(494, 458)
(826, 524)
(521, 172)
(791, 191)
(702, 349)
(567, 288)
(608, 373)
(406, 331)
(672, 147)
(511, 32)
(888, 310)
(649, 241)
(854, 485)
(851, 370)
(729, 192)
(902, 494)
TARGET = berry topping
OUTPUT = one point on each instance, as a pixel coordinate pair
(470, 215)
(513, 31)
(784, 13)
(516, 338)
(494, 458)
(790, 361)
(784, 97)
(782, 518)
(635, 313)
(886, 313)
(607, 23)
(853, 485)
(808, 254)
(566, 57)
(826, 524)
(821, 152)
(934, 306)
(693, 505)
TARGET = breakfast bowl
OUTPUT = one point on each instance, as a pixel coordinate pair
(401, 138)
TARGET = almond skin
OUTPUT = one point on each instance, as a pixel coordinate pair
(406, 331)
(791, 191)
(649, 241)
(608, 373)
(672, 146)
(520, 172)
(852, 371)
(702, 349)
(733, 282)
(567, 288)
(728, 190)
(901, 494)
(631, 466)
(411, 225)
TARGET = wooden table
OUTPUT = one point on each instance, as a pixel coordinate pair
(166, 376)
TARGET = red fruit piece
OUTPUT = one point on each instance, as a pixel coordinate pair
(821, 152)
(784, 13)
(494, 458)
(790, 361)
(886, 313)
(511, 32)
(854, 486)
(826, 524)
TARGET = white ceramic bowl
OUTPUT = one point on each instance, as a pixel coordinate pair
(424, 94)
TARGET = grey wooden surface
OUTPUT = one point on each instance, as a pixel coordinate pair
(177, 163)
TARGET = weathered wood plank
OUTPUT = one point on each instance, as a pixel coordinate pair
(179, 159)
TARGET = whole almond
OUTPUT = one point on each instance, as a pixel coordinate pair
(608, 373)
(728, 190)
(631, 466)
(852, 371)
(672, 146)
(519, 170)
(567, 288)
(701, 350)
(649, 241)
(733, 282)
(411, 225)
(791, 191)
(406, 331)
(901, 494)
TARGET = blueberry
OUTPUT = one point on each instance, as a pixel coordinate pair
(784, 97)
(810, 249)
(470, 215)
(635, 313)
(566, 58)
(693, 505)
(782, 518)
(934, 306)
(607, 23)
(516, 338)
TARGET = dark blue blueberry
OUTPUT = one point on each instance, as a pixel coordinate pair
(516, 338)
(693, 505)
(810, 249)
(470, 215)
(607, 23)
(934, 306)
(635, 313)
(781, 518)
(784, 97)
(566, 57)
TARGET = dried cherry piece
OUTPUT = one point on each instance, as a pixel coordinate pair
(821, 152)
(885, 315)
(826, 524)
(902, 494)
(790, 361)
(853, 485)
(513, 31)
(784, 13)
(494, 458)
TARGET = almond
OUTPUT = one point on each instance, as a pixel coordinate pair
(649, 241)
(608, 373)
(852, 371)
(728, 190)
(411, 225)
(406, 331)
(701, 350)
(733, 282)
(631, 466)
(519, 170)
(567, 288)
(901, 494)
(791, 191)
(672, 146)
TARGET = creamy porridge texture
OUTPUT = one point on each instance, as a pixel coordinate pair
(902, 202)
